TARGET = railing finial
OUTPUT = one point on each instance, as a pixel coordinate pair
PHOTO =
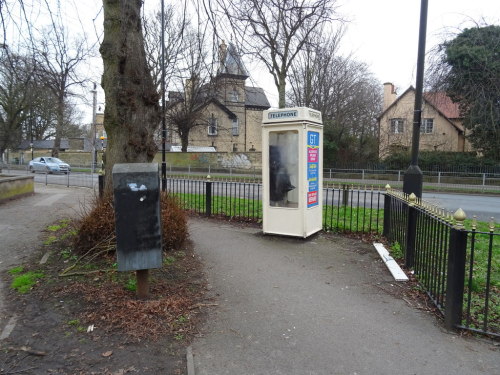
(474, 222)
(491, 224)
(412, 198)
(459, 217)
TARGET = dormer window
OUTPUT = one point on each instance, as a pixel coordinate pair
(233, 95)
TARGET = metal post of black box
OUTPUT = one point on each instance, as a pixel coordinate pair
(136, 189)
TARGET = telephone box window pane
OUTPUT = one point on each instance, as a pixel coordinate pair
(283, 168)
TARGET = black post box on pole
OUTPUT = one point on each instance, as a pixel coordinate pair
(136, 189)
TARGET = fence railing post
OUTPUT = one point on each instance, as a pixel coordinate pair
(208, 197)
(386, 232)
(411, 232)
(456, 274)
(345, 194)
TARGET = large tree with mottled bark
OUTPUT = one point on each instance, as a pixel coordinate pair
(132, 109)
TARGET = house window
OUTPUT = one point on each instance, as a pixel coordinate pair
(212, 125)
(236, 127)
(235, 147)
(427, 126)
(397, 125)
(234, 95)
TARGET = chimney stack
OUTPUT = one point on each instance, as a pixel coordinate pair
(390, 95)
(222, 57)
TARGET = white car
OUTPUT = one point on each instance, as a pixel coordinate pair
(48, 164)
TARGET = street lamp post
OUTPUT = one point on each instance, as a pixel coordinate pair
(31, 132)
(163, 125)
(413, 177)
(94, 127)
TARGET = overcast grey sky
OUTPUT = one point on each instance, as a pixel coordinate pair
(382, 33)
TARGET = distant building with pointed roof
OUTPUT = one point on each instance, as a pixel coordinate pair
(232, 117)
(441, 128)
(230, 63)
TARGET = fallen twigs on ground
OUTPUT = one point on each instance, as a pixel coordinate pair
(103, 247)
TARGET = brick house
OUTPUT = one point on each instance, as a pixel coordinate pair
(232, 120)
(441, 128)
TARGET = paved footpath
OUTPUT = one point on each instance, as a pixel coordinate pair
(318, 306)
(23, 220)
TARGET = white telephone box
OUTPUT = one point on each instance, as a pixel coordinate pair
(292, 165)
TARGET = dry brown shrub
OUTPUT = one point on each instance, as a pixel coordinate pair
(174, 222)
(97, 224)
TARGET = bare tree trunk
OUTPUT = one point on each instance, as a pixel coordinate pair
(184, 141)
(59, 127)
(132, 111)
(282, 91)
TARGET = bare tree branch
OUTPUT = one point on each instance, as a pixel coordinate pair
(275, 31)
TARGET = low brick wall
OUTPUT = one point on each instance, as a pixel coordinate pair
(15, 187)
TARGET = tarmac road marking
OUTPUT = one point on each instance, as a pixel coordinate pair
(50, 200)
(9, 328)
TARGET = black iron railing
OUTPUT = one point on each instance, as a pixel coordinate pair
(352, 209)
(345, 208)
(237, 200)
(482, 281)
(459, 268)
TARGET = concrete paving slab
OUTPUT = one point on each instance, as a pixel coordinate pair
(293, 306)
(23, 220)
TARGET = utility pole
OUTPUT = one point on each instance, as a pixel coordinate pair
(31, 131)
(94, 125)
(163, 125)
(413, 177)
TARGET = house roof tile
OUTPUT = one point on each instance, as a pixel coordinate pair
(444, 103)
(439, 101)
(256, 97)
